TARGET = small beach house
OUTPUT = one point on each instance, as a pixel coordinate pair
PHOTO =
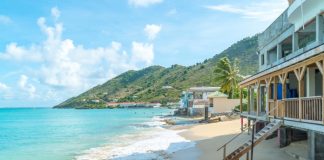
(194, 101)
(199, 101)
(220, 103)
(286, 96)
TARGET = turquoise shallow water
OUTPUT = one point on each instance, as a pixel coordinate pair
(61, 134)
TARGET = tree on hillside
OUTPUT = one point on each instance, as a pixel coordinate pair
(227, 75)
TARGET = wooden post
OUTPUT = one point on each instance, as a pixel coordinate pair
(258, 98)
(249, 100)
(299, 72)
(241, 105)
(224, 152)
(299, 100)
(275, 92)
(320, 66)
(268, 82)
(252, 146)
(323, 101)
(283, 78)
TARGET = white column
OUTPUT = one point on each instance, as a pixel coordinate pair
(252, 99)
(295, 41)
(310, 79)
(279, 54)
(319, 28)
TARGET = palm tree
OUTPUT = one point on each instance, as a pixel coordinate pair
(227, 75)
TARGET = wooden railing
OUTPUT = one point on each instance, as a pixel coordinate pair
(272, 108)
(311, 108)
(292, 108)
(279, 111)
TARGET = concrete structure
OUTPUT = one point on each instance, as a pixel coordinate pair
(219, 103)
(289, 85)
(133, 104)
(195, 100)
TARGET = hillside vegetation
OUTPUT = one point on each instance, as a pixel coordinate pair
(146, 85)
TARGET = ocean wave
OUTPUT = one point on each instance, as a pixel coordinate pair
(156, 143)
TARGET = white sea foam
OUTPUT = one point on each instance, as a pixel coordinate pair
(155, 143)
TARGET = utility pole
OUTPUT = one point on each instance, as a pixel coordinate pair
(253, 127)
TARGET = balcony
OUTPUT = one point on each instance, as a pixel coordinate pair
(310, 109)
(280, 25)
(301, 12)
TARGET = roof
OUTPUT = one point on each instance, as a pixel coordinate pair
(217, 94)
(294, 60)
(203, 89)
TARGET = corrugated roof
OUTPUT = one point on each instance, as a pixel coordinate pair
(217, 94)
(203, 89)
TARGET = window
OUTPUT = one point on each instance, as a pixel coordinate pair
(262, 59)
(307, 35)
(272, 55)
(286, 47)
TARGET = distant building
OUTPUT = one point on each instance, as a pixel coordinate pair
(198, 99)
(219, 103)
(167, 87)
(95, 101)
(133, 104)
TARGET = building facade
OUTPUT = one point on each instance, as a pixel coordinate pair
(289, 84)
(195, 100)
(219, 103)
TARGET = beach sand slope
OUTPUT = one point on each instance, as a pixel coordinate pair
(209, 137)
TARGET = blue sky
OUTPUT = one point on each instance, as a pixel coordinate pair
(53, 50)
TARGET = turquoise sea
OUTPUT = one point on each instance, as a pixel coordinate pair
(64, 134)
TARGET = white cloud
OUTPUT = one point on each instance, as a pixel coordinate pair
(14, 52)
(5, 19)
(263, 11)
(151, 30)
(142, 52)
(27, 87)
(5, 91)
(143, 3)
(55, 12)
(63, 65)
(3, 87)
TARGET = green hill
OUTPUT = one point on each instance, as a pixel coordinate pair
(146, 85)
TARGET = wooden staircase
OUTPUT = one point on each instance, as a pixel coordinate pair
(258, 137)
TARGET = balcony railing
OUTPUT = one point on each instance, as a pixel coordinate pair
(311, 109)
(292, 108)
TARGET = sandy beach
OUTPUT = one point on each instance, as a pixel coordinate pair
(209, 137)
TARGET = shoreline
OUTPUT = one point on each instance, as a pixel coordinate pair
(143, 145)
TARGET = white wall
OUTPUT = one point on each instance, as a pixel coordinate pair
(222, 104)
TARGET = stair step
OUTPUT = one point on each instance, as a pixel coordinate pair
(269, 128)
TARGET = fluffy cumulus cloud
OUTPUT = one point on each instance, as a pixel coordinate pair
(142, 52)
(143, 3)
(26, 86)
(62, 65)
(19, 53)
(255, 10)
(55, 12)
(151, 30)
